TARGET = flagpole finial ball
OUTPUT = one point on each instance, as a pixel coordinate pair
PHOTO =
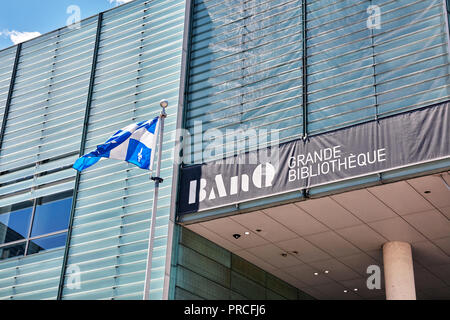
(164, 103)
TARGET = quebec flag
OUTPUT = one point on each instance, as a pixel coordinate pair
(135, 144)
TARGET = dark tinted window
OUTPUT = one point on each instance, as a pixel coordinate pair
(34, 226)
(15, 222)
(12, 251)
(52, 214)
(47, 243)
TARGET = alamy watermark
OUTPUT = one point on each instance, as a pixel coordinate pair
(73, 277)
(227, 146)
(73, 21)
(374, 19)
(374, 280)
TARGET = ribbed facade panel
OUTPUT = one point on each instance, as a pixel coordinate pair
(139, 63)
(246, 66)
(45, 120)
(7, 58)
(31, 278)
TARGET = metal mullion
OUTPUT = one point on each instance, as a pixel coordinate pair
(8, 244)
(82, 147)
(10, 94)
(446, 8)
(47, 235)
(31, 225)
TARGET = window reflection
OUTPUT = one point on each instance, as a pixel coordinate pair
(52, 214)
(48, 218)
(15, 222)
(12, 251)
(47, 243)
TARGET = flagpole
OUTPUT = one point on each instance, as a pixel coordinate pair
(158, 180)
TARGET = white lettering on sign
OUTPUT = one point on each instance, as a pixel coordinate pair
(330, 160)
(262, 177)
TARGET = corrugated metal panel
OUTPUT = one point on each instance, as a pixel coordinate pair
(139, 63)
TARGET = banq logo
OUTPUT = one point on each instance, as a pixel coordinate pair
(262, 177)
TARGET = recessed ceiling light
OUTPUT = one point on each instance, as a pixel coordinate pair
(345, 291)
(247, 233)
(427, 192)
(356, 289)
(316, 273)
(258, 230)
(326, 271)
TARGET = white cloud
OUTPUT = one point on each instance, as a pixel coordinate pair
(119, 2)
(18, 37)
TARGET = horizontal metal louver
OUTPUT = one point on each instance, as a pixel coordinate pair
(139, 63)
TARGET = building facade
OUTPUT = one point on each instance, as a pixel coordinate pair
(295, 80)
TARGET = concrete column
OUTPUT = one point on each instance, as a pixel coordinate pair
(398, 271)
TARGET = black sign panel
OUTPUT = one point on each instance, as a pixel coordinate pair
(368, 148)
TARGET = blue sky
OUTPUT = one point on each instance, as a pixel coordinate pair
(22, 19)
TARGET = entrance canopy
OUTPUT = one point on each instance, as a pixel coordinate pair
(325, 246)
